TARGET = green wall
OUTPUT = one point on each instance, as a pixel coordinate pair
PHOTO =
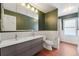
(51, 20)
(41, 20)
(23, 22)
(48, 21)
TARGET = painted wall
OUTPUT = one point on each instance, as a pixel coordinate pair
(51, 20)
(48, 21)
(41, 20)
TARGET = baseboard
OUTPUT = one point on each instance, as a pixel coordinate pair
(68, 43)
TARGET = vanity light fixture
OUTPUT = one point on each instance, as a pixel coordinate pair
(36, 11)
(28, 6)
(23, 4)
(33, 9)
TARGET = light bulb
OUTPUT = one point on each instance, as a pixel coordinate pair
(28, 6)
(36, 11)
(32, 8)
(23, 4)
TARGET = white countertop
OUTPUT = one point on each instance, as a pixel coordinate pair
(6, 43)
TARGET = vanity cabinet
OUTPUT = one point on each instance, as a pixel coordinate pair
(28, 48)
(8, 51)
(22, 48)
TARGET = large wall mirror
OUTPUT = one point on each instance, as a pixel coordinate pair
(18, 18)
(24, 17)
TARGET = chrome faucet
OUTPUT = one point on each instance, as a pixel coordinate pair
(16, 36)
(33, 32)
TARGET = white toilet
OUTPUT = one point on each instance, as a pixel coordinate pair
(48, 44)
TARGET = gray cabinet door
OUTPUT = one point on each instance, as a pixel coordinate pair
(33, 47)
(22, 47)
(37, 46)
(8, 51)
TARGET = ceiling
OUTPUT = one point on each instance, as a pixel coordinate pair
(63, 8)
(66, 8)
(44, 7)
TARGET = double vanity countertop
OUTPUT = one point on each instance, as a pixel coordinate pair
(9, 42)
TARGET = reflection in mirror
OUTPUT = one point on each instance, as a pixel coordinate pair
(16, 20)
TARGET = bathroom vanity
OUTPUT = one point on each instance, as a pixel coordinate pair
(22, 47)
